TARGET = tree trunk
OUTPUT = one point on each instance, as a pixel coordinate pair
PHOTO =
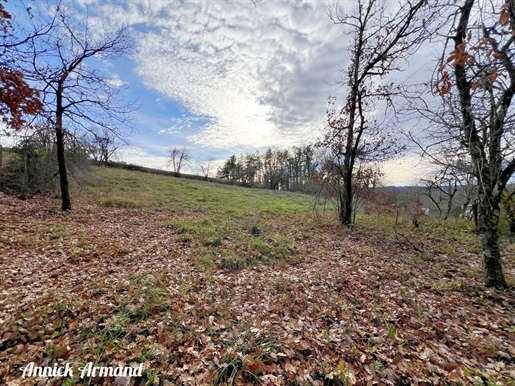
(464, 207)
(59, 135)
(448, 210)
(63, 175)
(450, 195)
(487, 229)
(511, 222)
(345, 209)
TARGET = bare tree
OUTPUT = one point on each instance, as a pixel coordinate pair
(440, 146)
(177, 158)
(206, 167)
(441, 189)
(366, 182)
(102, 144)
(383, 37)
(478, 69)
(17, 98)
(274, 164)
(252, 165)
(77, 96)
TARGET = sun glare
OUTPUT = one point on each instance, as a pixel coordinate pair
(254, 118)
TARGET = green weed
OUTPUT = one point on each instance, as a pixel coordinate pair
(245, 357)
(119, 202)
(57, 232)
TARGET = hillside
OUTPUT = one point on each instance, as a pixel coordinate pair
(209, 284)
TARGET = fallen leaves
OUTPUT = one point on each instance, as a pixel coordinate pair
(118, 286)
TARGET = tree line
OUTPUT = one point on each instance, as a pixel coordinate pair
(276, 169)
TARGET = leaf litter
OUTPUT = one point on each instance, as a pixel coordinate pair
(119, 286)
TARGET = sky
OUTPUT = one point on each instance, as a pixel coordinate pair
(230, 77)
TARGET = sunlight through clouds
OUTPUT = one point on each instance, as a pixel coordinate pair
(258, 73)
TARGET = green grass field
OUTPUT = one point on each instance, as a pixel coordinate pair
(118, 187)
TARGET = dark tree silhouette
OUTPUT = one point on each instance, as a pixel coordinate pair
(480, 73)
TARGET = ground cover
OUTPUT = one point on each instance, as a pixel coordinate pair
(215, 285)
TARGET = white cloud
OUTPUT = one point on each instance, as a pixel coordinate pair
(257, 73)
(405, 171)
(86, 3)
(139, 156)
(252, 76)
(181, 124)
(10, 137)
(115, 81)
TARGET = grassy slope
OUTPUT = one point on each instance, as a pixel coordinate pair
(134, 189)
(210, 284)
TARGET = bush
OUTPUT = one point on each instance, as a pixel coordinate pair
(32, 167)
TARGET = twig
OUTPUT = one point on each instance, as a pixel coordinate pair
(397, 234)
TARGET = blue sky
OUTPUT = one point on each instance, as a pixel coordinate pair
(228, 77)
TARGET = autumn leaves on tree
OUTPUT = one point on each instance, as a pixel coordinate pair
(17, 98)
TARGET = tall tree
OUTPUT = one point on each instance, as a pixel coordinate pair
(78, 95)
(480, 69)
(274, 168)
(229, 169)
(383, 37)
(252, 164)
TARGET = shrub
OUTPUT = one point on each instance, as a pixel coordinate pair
(32, 167)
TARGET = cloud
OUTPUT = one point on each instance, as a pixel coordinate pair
(115, 81)
(140, 156)
(86, 3)
(405, 171)
(257, 73)
(182, 124)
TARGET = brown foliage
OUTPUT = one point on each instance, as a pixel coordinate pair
(70, 279)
